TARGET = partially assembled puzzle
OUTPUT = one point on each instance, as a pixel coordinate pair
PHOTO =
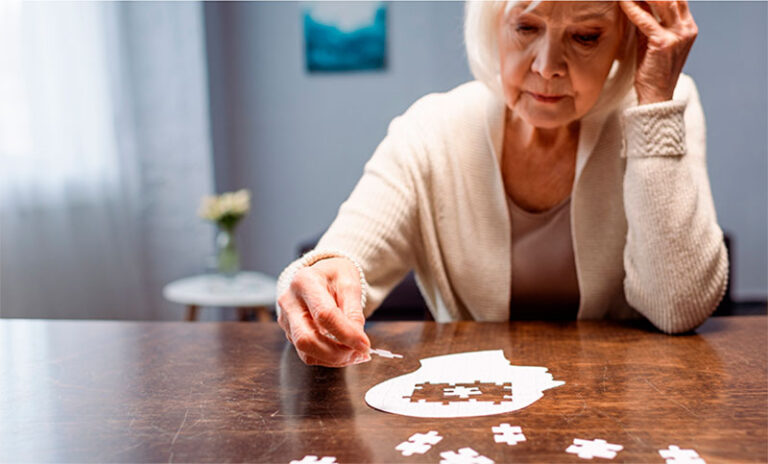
(478, 383)
(455, 393)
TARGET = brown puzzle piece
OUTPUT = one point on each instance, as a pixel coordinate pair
(435, 392)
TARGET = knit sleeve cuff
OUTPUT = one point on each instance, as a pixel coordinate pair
(656, 129)
(310, 258)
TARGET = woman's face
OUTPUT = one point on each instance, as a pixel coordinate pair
(556, 57)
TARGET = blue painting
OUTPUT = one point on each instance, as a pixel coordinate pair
(345, 36)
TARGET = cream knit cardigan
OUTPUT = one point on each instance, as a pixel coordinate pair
(645, 235)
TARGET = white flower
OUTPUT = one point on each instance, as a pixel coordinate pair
(233, 205)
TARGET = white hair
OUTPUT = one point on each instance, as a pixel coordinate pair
(482, 43)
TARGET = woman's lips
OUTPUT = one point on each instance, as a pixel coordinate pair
(546, 98)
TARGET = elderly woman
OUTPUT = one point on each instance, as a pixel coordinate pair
(568, 181)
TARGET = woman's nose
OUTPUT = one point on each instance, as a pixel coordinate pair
(549, 61)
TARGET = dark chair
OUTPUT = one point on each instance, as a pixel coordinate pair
(727, 306)
(404, 302)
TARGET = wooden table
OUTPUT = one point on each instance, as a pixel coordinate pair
(81, 391)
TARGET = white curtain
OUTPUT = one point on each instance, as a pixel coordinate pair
(104, 154)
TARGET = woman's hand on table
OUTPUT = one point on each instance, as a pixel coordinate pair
(322, 315)
(663, 46)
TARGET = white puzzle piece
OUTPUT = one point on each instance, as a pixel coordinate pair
(461, 392)
(384, 353)
(478, 383)
(588, 449)
(419, 443)
(675, 455)
(505, 433)
(314, 460)
(464, 456)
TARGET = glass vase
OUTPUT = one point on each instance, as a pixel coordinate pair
(227, 257)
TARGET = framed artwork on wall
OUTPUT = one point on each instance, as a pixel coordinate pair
(345, 36)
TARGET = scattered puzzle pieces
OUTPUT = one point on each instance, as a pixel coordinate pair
(588, 449)
(419, 443)
(464, 456)
(385, 353)
(508, 434)
(314, 460)
(675, 455)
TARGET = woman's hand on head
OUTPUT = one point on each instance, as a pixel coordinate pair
(322, 314)
(663, 45)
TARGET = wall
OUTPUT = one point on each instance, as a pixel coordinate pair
(728, 61)
(299, 141)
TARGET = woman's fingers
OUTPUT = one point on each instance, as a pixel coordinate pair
(322, 314)
(666, 11)
(663, 46)
(686, 18)
(313, 288)
(644, 20)
(308, 341)
(682, 13)
(348, 294)
(674, 16)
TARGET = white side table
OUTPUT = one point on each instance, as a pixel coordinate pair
(248, 291)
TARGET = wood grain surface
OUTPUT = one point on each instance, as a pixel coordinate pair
(92, 391)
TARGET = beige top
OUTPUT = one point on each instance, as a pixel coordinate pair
(432, 199)
(544, 283)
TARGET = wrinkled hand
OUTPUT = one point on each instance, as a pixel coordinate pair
(663, 45)
(322, 316)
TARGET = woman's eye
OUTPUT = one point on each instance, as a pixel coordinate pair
(526, 29)
(586, 39)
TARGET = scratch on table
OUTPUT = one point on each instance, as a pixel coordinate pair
(623, 428)
(605, 374)
(275, 444)
(667, 397)
(201, 409)
(181, 426)
(583, 404)
(569, 417)
(273, 414)
(199, 419)
(129, 448)
(156, 428)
